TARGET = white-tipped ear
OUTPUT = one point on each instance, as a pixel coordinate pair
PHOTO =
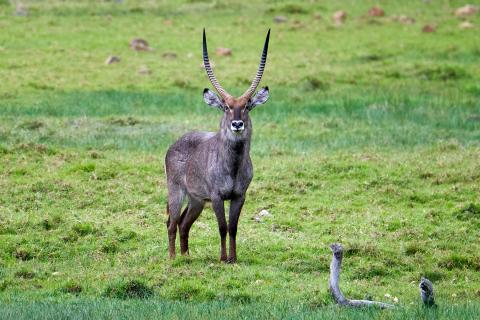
(212, 99)
(260, 98)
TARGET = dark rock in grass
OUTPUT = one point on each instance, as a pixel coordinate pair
(139, 44)
(133, 289)
(376, 12)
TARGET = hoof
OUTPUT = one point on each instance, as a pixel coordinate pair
(231, 260)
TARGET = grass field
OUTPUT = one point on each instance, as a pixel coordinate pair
(371, 138)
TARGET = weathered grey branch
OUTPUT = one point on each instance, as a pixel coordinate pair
(335, 268)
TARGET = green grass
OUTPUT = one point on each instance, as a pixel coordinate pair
(370, 138)
(139, 309)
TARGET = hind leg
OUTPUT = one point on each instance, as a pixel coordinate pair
(176, 195)
(193, 211)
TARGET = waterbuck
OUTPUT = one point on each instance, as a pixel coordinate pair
(208, 166)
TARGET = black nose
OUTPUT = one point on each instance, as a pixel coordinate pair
(237, 124)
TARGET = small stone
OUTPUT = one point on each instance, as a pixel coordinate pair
(466, 25)
(376, 12)
(264, 213)
(465, 11)
(223, 52)
(280, 19)
(139, 44)
(112, 59)
(261, 214)
(429, 28)
(144, 70)
(339, 17)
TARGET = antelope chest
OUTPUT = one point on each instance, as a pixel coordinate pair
(231, 187)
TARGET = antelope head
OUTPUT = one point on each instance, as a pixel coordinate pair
(235, 110)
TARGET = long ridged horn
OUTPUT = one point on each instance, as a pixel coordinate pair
(261, 67)
(208, 69)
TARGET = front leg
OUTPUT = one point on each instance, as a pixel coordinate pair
(236, 205)
(219, 209)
